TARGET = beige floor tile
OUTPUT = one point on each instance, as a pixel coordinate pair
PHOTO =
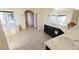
(30, 39)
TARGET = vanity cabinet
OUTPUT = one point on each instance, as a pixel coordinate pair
(52, 31)
(47, 48)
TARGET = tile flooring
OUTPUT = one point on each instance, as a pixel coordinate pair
(30, 39)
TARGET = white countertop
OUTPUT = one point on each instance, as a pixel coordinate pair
(58, 43)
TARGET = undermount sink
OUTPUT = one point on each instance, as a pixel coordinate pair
(64, 44)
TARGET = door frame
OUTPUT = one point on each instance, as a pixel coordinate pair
(26, 18)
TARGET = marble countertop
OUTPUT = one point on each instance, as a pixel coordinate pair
(58, 43)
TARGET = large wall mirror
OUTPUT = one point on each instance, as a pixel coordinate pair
(7, 20)
(59, 20)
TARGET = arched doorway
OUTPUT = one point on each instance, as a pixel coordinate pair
(29, 19)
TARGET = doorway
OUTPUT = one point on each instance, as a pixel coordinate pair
(30, 19)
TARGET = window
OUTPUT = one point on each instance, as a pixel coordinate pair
(7, 20)
(58, 20)
(61, 20)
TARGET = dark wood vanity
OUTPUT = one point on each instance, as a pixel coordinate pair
(52, 31)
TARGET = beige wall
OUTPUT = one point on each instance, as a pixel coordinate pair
(3, 41)
(75, 16)
(36, 11)
(50, 11)
(68, 12)
(42, 13)
(19, 18)
(19, 15)
(71, 15)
